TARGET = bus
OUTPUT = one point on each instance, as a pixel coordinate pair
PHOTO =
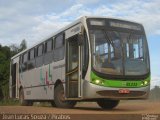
(95, 59)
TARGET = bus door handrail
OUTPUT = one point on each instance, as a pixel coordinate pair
(72, 71)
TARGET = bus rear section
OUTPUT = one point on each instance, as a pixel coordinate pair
(14, 77)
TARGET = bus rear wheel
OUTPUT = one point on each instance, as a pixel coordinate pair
(24, 102)
(59, 98)
(53, 104)
(107, 104)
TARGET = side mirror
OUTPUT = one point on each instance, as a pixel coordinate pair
(80, 39)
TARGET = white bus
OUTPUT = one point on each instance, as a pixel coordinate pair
(93, 59)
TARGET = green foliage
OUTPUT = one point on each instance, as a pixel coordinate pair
(23, 45)
(5, 55)
(14, 49)
(42, 104)
(5, 102)
(4, 71)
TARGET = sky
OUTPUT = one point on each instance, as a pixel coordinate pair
(34, 20)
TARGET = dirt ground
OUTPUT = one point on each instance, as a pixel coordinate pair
(125, 110)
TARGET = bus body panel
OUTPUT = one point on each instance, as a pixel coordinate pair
(41, 80)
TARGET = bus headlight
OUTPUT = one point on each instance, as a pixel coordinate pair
(99, 82)
(145, 82)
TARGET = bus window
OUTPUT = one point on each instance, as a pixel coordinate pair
(40, 50)
(39, 58)
(24, 61)
(59, 47)
(48, 56)
(31, 54)
(31, 62)
(48, 46)
(25, 57)
(59, 41)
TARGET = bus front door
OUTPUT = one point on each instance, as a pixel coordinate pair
(73, 68)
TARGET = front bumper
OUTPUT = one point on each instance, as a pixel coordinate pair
(92, 91)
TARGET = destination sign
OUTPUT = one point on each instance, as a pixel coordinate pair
(73, 31)
(97, 22)
(125, 25)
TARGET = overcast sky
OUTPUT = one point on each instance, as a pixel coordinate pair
(33, 20)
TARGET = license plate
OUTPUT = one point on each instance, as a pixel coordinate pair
(124, 91)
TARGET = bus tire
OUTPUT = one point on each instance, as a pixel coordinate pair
(53, 104)
(24, 102)
(60, 100)
(107, 104)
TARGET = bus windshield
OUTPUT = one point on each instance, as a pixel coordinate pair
(119, 53)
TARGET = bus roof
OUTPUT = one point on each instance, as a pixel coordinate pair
(52, 35)
(65, 28)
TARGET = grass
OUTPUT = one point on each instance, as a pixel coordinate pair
(42, 104)
(14, 102)
(9, 102)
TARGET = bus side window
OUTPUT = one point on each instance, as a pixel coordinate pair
(48, 56)
(39, 58)
(59, 47)
(24, 61)
(48, 46)
(20, 64)
(31, 63)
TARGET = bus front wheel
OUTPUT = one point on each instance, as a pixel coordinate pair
(59, 98)
(24, 102)
(107, 104)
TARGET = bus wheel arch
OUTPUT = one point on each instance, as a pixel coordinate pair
(59, 99)
(57, 83)
(20, 93)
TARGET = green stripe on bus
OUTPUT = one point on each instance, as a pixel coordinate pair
(119, 83)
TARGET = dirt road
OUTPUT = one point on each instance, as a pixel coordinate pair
(124, 108)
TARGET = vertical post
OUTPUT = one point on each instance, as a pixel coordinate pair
(80, 72)
(10, 81)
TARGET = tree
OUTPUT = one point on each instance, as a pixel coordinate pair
(4, 70)
(5, 55)
(23, 45)
(14, 49)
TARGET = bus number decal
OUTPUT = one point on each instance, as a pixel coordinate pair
(131, 84)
